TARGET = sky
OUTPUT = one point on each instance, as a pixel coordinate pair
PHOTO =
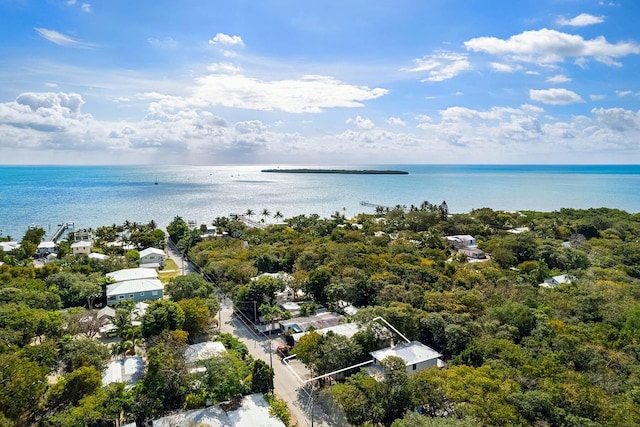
(319, 82)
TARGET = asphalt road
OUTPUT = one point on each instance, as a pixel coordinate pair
(287, 386)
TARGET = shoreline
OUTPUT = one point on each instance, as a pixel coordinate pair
(339, 171)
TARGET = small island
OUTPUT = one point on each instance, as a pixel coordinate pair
(340, 171)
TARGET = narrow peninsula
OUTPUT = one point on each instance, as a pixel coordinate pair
(340, 171)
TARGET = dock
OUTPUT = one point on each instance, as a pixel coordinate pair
(373, 205)
(62, 228)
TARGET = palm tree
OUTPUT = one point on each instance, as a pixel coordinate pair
(249, 213)
(265, 214)
(278, 215)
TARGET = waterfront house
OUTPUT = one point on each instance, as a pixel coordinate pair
(9, 246)
(82, 247)
(46, 248)
(152, 258)
(416, 356)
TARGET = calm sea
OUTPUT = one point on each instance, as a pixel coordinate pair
(97, 195)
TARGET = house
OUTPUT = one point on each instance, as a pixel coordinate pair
(252, 410)
(137, 284)
(83, 235)
(203, 351)
(133, 274)
(554, 281)
(129, 370)
(416, 356)
(301, 324)
(82, 247)
(345, 329)
(461, 241)
(46, 248)
(9, 246)
(472, 253)
(98, 256)
(152, 258)
(136, 290)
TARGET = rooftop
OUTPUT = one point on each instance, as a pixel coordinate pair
(203, 351)
(128, 370)
(132, 286)
(133, 274)
(411, 352)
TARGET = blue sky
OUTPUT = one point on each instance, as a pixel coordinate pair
(326, 82)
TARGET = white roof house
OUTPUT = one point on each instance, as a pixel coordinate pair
(9, 246)
(253, 411)
(128, 370)
(46, 248)
(133, 274)
(461, 240)
(98, 256)
(203, 351)
(416, 356)
(153, 258)
(345, 329)
(554, 281)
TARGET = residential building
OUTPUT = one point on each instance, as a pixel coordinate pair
(137, 284)
(416, 356)
(136, 290)
(46, 248)
(152, 258)
(301, 324)
(129, 370)
(82, 247)
(9, 246)
(554, 281)
(345, 329)
(461, 241)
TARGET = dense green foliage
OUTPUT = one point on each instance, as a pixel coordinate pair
(517, 353)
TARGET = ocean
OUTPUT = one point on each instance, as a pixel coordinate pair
(92, 196)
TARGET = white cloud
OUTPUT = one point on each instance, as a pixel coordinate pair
(441, 66)
(46, 126)
(361, 122)
(51, 84)
(396, 121)
(308, 94)
(60, 39)
(71, 2)
(86, 7)
(596, 97)
(504, 68)
(558, 78)
(165, 43)
(623, 93)
(581, 20)
(222, 39)
(555, 96)
(617, 119)
(547, 47)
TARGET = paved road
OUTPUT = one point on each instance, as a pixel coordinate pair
(286, 385)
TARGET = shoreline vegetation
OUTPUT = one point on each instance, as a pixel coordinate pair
(339, 171)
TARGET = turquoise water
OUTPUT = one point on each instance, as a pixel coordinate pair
(99, 195)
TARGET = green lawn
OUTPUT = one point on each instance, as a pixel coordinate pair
(170, 270)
